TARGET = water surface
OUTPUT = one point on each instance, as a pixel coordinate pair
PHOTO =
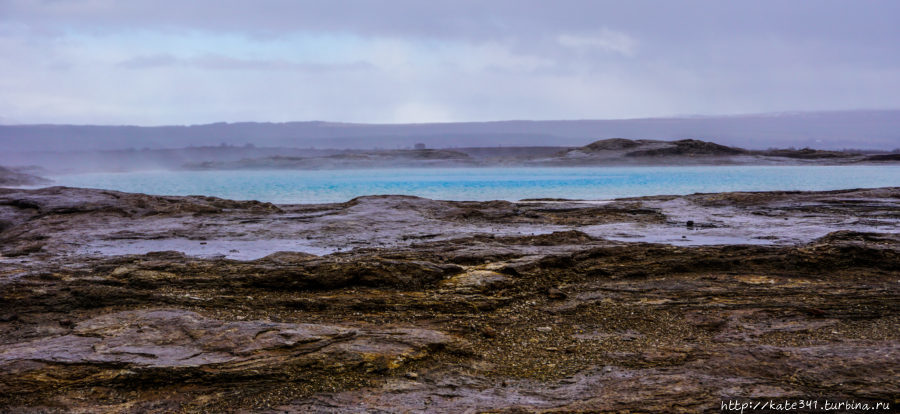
(589, 183)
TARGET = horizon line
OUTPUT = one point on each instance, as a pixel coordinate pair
(347, 123)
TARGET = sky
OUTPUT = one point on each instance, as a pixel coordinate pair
(162, 62)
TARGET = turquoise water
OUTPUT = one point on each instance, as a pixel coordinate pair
(321, 186)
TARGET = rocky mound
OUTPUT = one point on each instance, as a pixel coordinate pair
(612, 144)
(647, 151)
(688, 148)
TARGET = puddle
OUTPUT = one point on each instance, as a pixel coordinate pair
(687, 240)
(749, 232)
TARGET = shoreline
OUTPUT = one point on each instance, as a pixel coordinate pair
(293, 186)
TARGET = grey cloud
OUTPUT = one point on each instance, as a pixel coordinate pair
(474, 19)
(221, 62)
(827, 30)
(151, 61)
(511, 59)
(414, 16)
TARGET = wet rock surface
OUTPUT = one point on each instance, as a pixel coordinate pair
(438, 306)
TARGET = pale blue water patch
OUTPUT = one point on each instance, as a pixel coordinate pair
(592, 183)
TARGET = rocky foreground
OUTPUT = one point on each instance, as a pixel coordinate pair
(416, 305)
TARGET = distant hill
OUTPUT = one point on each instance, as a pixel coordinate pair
(821, 130)
(688, 151)
(606, 152)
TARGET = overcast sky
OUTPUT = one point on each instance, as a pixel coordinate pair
(161, 62)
